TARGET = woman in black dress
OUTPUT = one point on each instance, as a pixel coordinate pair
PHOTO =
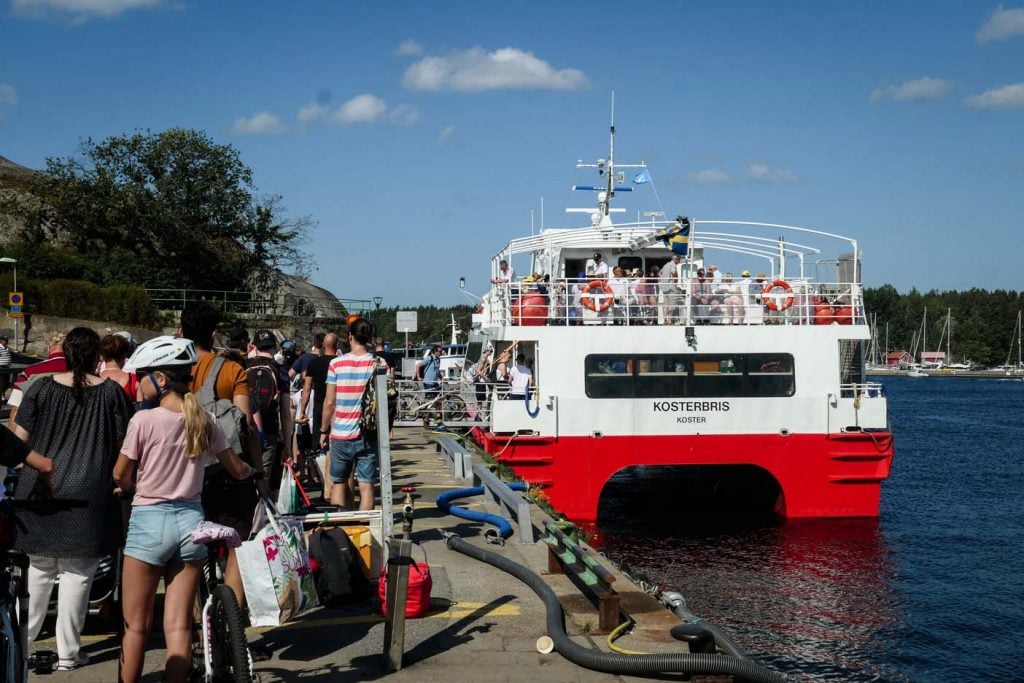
(78, 420)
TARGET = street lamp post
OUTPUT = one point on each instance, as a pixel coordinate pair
(13, 262)
(376, 302)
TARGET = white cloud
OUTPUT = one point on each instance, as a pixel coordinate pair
(8, 95)
(476, 69)
(926, 88)
(445, 135)
(314, 111)
(260, 123)
(409, 48)
(364, 108)
(1002, 25)
(80, 10)
(1006, 97)
(711, 175)
(766, 174)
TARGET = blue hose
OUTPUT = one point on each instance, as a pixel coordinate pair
(536, 411)
(444, 503)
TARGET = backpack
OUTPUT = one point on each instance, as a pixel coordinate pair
(338, 575)
(368, 402)
(263, 389)
(229, 416)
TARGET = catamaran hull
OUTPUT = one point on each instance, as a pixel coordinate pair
(818, 475)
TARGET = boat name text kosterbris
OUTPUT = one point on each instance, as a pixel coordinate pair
(688, 406)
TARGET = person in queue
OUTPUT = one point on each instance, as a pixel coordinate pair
(350, 451)
(78, 420)
(114, 350)
(225, 500)
(53, 364)
(429, 371)
(162, 463)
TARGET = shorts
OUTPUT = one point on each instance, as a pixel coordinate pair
(161, 533)
(358, 453)
(230, 502)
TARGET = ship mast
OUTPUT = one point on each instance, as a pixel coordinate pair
(604, 203)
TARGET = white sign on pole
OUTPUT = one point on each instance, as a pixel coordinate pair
(405, 321)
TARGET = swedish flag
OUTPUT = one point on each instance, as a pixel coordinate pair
(676, 236)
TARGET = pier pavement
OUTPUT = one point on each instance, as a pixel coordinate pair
(482, 627)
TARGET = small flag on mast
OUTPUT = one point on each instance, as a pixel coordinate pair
(642, 177)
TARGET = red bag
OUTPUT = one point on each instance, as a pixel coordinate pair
(420, 584)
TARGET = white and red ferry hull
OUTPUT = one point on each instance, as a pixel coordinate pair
(818, 475)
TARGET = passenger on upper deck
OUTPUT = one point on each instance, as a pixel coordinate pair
(600, 266)
(620, 292)
(716, 276)
(505, 274)
(732, 301)
(576, 308)
(671, 292)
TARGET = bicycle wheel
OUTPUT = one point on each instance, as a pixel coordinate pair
(454, 408)
(230, 653)
(407, 407)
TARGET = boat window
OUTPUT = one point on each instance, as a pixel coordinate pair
(629, 263)
(689, 375)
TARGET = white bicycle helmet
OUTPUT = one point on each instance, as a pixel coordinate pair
(164, 352)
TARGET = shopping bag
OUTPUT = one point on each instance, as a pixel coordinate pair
(288, 493)
(274, 564)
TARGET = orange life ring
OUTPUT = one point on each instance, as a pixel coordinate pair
(589, 303)
(770, 301)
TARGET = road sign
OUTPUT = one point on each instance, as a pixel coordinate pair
(13, 314)
(405, 321)
(15, 309)
(15, 299)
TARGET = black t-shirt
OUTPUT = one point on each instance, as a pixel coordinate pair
(13, 450)
(317, 371)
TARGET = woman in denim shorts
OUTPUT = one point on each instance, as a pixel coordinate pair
(162, 459)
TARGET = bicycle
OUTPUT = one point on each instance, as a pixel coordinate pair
(14, 596)
(447, 401)
(224, 648)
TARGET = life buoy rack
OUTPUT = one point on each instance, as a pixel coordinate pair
(770, 301)
(593, 286)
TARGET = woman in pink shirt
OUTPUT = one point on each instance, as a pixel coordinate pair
(162, 461)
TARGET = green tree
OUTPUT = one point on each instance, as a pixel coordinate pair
(164, 209)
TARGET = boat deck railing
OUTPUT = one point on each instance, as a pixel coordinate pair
(650, 302)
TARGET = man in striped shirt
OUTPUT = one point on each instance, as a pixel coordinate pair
(5, 368)
(347, 376)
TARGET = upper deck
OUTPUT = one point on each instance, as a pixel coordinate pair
(816, 276)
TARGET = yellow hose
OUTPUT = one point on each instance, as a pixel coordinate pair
(618, 631)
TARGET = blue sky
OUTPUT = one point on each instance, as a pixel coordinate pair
(419, 135)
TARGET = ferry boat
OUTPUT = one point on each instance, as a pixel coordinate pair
(632, 372)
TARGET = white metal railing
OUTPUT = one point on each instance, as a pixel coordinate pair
(689, 302)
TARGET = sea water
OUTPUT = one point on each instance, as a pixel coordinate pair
(931, 590)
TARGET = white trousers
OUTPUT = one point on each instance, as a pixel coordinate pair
(76, 576)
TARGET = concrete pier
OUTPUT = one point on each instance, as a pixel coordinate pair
(483, 625)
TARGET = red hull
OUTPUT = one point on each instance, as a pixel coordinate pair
(838, 475)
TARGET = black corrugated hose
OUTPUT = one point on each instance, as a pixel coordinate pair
(691, 664)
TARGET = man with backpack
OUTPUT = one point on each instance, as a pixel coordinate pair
(350, 449)
(225, 500)
(271, 405)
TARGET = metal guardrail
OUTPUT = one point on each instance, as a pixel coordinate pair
(651, 302)
(259, 303)
(566, 555)
(512, 503)
(458, 458)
